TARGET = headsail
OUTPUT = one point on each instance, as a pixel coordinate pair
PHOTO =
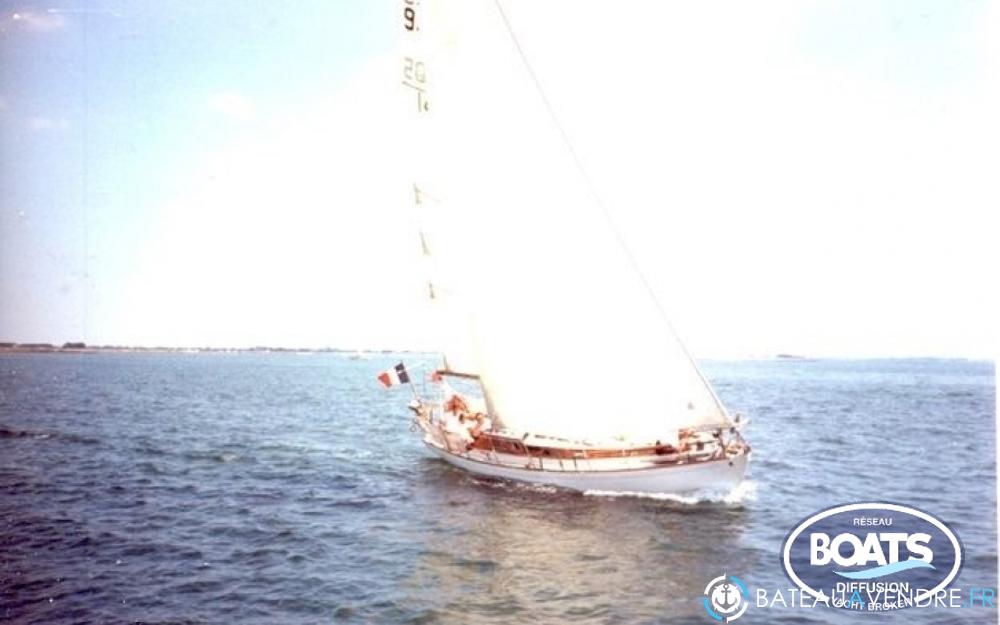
(452, 313)
(422, 59)
(557, 323)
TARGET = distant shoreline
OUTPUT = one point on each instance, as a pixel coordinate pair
(364, 354)
(81, 348)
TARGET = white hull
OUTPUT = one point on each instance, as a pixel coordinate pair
(709, 475)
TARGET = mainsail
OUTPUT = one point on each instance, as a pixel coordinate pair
(537, 294)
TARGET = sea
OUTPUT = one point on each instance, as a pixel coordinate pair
(287, 488)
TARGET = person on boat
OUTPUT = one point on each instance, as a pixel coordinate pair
(456, 429)
(456, 405)
(481, 423)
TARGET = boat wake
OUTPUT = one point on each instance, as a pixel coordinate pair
(745, 492)
(515, 486)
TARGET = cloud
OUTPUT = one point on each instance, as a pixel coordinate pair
(234, 106)
(35, 21)
(47, 124)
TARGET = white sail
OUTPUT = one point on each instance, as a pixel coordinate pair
(561, 328)
(423, 54)
(453, 314)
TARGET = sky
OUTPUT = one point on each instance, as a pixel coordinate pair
(801, 177)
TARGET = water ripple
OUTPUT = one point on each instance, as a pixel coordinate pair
(166, 488)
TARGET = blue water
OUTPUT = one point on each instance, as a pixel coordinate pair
(286, 488)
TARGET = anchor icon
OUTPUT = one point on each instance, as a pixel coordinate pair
(725, 598)
(726, 604)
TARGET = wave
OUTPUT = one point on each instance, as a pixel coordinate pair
(6, 432)
(514, 486)
(10, 432)
(745, 492)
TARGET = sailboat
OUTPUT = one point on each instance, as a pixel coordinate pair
(559, 364)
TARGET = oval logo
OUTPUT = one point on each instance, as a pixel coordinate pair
(872, 556)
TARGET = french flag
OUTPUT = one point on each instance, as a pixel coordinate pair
(396, 375)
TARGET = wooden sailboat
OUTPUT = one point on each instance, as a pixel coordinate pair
(559, 364)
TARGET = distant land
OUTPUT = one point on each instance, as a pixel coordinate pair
(79, 347)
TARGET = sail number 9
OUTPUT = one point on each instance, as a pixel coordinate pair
(410, 15)
(414, 71)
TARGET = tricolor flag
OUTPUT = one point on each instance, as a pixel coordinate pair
(396, 375)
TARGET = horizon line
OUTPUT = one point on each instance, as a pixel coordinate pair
(83, 347)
